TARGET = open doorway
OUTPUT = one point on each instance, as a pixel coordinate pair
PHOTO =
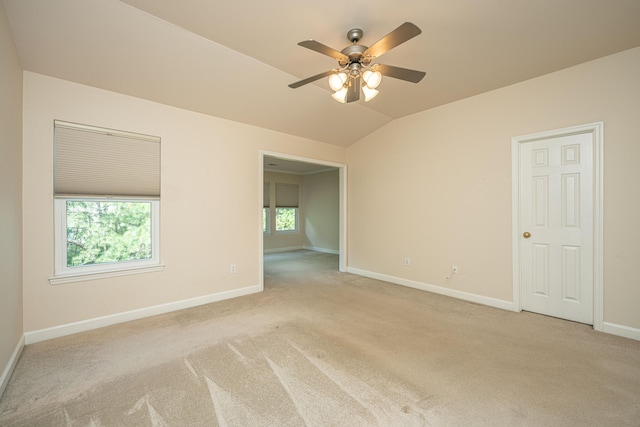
(318, 225)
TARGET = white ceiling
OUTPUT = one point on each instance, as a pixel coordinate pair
(234, 59)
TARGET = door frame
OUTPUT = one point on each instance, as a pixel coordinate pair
(342, 168)
(597, 132)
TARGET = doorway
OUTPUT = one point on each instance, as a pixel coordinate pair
(297, 162)
(557, 223)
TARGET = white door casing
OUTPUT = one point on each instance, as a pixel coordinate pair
(557, 184)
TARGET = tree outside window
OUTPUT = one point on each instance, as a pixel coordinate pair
(107, 231)
(286, 219)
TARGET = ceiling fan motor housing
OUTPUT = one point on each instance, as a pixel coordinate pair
(355, 54)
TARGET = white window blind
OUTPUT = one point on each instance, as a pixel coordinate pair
(286, 195)
(105, 162)
(266, 196)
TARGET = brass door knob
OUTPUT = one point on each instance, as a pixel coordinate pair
(526, 234)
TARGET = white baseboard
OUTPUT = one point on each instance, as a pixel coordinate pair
(323, 250)
(479, 299)
(99, 322)
(11, 365)
(621, 330)
(609, 328)
(297, 248)
(291, 248)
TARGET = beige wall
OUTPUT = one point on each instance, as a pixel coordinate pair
(281, 241)
(10, 196)
(210, 213)
(436, 186)
(321, 201)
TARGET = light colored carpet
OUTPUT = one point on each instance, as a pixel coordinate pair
(319, 347)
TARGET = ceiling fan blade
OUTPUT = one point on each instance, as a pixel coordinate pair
(312, 79)
(398, 36)
(324, 49)
(353, 91)
(412, 76)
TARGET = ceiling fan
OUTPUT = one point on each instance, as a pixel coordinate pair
(356, 70)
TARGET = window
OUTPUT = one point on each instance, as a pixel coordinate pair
(286, 207)
(266, 210)
(100, 235)
(266, 220)
(286, 219)
(107, 201)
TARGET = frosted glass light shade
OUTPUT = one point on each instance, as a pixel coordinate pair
(372, 78)
(336, 81)
(340, 95)
(369, 93)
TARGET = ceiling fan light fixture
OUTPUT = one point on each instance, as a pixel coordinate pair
(372, 78)
(336, 81)
(340, 95)
(369, 93)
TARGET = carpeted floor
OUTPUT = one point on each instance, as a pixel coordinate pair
(318, 348)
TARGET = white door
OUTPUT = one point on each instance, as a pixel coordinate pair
(556, 226)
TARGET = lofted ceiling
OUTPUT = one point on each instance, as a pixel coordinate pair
(278, 164)
(234, 59)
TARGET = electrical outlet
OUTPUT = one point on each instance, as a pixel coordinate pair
(232, 268)
(407, 261)
(455, 269)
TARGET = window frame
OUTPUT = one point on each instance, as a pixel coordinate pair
(64, 273)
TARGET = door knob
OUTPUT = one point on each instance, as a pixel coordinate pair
(526, 234)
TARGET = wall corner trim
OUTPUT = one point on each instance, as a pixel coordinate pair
(479, 299)
(11, 365)
(100, 322)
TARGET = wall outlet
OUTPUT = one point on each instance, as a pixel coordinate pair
(455, 269)
(407, 261)
(232, 268)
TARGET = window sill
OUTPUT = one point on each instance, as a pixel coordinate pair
(70, 278)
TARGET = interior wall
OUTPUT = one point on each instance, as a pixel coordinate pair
(321, 200)
(436, 186)
(284, 241)
(11, 328)
(210, 214)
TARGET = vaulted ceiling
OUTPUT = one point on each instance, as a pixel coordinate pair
(234, 59)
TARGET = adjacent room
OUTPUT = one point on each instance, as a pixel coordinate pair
(258, 213)
(301, 206)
